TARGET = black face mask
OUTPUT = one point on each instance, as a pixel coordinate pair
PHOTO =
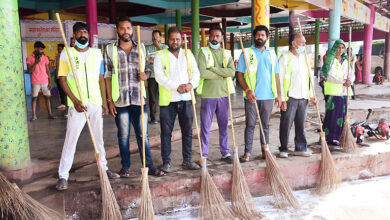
(82, 40)
(124, 38)
(260, 43)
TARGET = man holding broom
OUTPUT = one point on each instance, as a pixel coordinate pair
(215, 64)
(89, 68)
(122, 78)
(170, 68)
(294, 75)
(264, 73)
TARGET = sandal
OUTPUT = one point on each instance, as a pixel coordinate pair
(245, 158)
(156, 172)
(112, 175)
(62, 184)
(124, 173)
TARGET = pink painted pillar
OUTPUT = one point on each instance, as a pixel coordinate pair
(367, 49)
(91, 8)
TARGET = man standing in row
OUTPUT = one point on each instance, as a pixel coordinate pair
(152, 84)
(263, 69)
(122, 76)
(294, 75)
(89, 67)
(216, 66)
(171, 71)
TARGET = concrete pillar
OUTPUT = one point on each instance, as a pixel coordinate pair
(386, 63)
(203, 35)
(317, 46)
(14, 143)
(276, 40)
(260, 14)
(291, 25)
(367, 42)
(224, 25)
(232, 44)
(52, 15)
(334, 24)
(91, 8)
(166, 27)
(178, 19)
(195, 26)
(112, 5)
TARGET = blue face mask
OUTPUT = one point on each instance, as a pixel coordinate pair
(81, 46)
(215, 47)
(300, 49)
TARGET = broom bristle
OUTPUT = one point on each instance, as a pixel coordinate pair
(347, 141)
(280, 188)
(328, 175)
(212, 204)
(146, 211)
(110, 207)
(16, 204)
(242, 202)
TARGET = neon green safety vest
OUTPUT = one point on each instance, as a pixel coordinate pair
(287, 78)
(88, 77)
(112, 52)
(165, 95)
(336, 89)
(252, 70)
(210, 63)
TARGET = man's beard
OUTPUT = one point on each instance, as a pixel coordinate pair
(260, 43)
(172, 48)
(82, 40)
(214, 42)
(124, 38)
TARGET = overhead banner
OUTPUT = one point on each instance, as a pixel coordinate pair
(356, 11)
(381, 23)
(324, 4)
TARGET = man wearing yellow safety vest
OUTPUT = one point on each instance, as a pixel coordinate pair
(295, 84)
(171, 67)
(122, 76)
(216, 66)
(263, 68)
(89, 67)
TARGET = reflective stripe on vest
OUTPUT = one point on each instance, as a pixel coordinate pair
(336, 89)
(88, 77)
(165, 95)
(113, 54)
(210, 63)
(252, 70)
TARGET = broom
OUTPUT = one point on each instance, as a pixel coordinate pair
(16, 204)
(242, 203)
(328, 175)
(110, 207)
(279, 186)
(146, 211)
(212, 204)
(347, 141)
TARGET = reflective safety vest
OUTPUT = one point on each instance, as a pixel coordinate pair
(252, 70)
(336, 89)
(112, 52)
(165, 95)
(210, 63)
(87, 75)
(287, 78)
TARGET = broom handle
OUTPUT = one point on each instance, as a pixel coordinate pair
(192, 97)
(256, 107)
(349, 64)
(77, 80)
(142, 96)
(311, 83)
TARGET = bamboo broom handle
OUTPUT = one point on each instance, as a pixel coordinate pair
(77, 80)
(349, 64)
(256, 107)
(192, 97)
(142, 96)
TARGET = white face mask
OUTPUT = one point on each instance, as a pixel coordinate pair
(300, 49)
(215, 47)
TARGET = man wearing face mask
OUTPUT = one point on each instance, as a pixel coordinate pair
(264, 71)
(89, 67)
(295, 84)
(216, 66)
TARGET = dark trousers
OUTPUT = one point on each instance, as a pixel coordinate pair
(296, 112)
(167, 121)
(265, 110)
(153, 94)
(61, 92)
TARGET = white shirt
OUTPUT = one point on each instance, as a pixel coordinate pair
(178, 75)
(332, 75)
(299, 86)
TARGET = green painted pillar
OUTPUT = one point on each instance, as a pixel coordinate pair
(178, 19)
(317, 46)
(14, 144)
(276, 41)
(52, 15)
(166, 27)
(195, 26)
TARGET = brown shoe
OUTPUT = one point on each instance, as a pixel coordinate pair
(189, 165)
(245, 158)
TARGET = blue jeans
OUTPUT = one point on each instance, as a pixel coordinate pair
(124, 116)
